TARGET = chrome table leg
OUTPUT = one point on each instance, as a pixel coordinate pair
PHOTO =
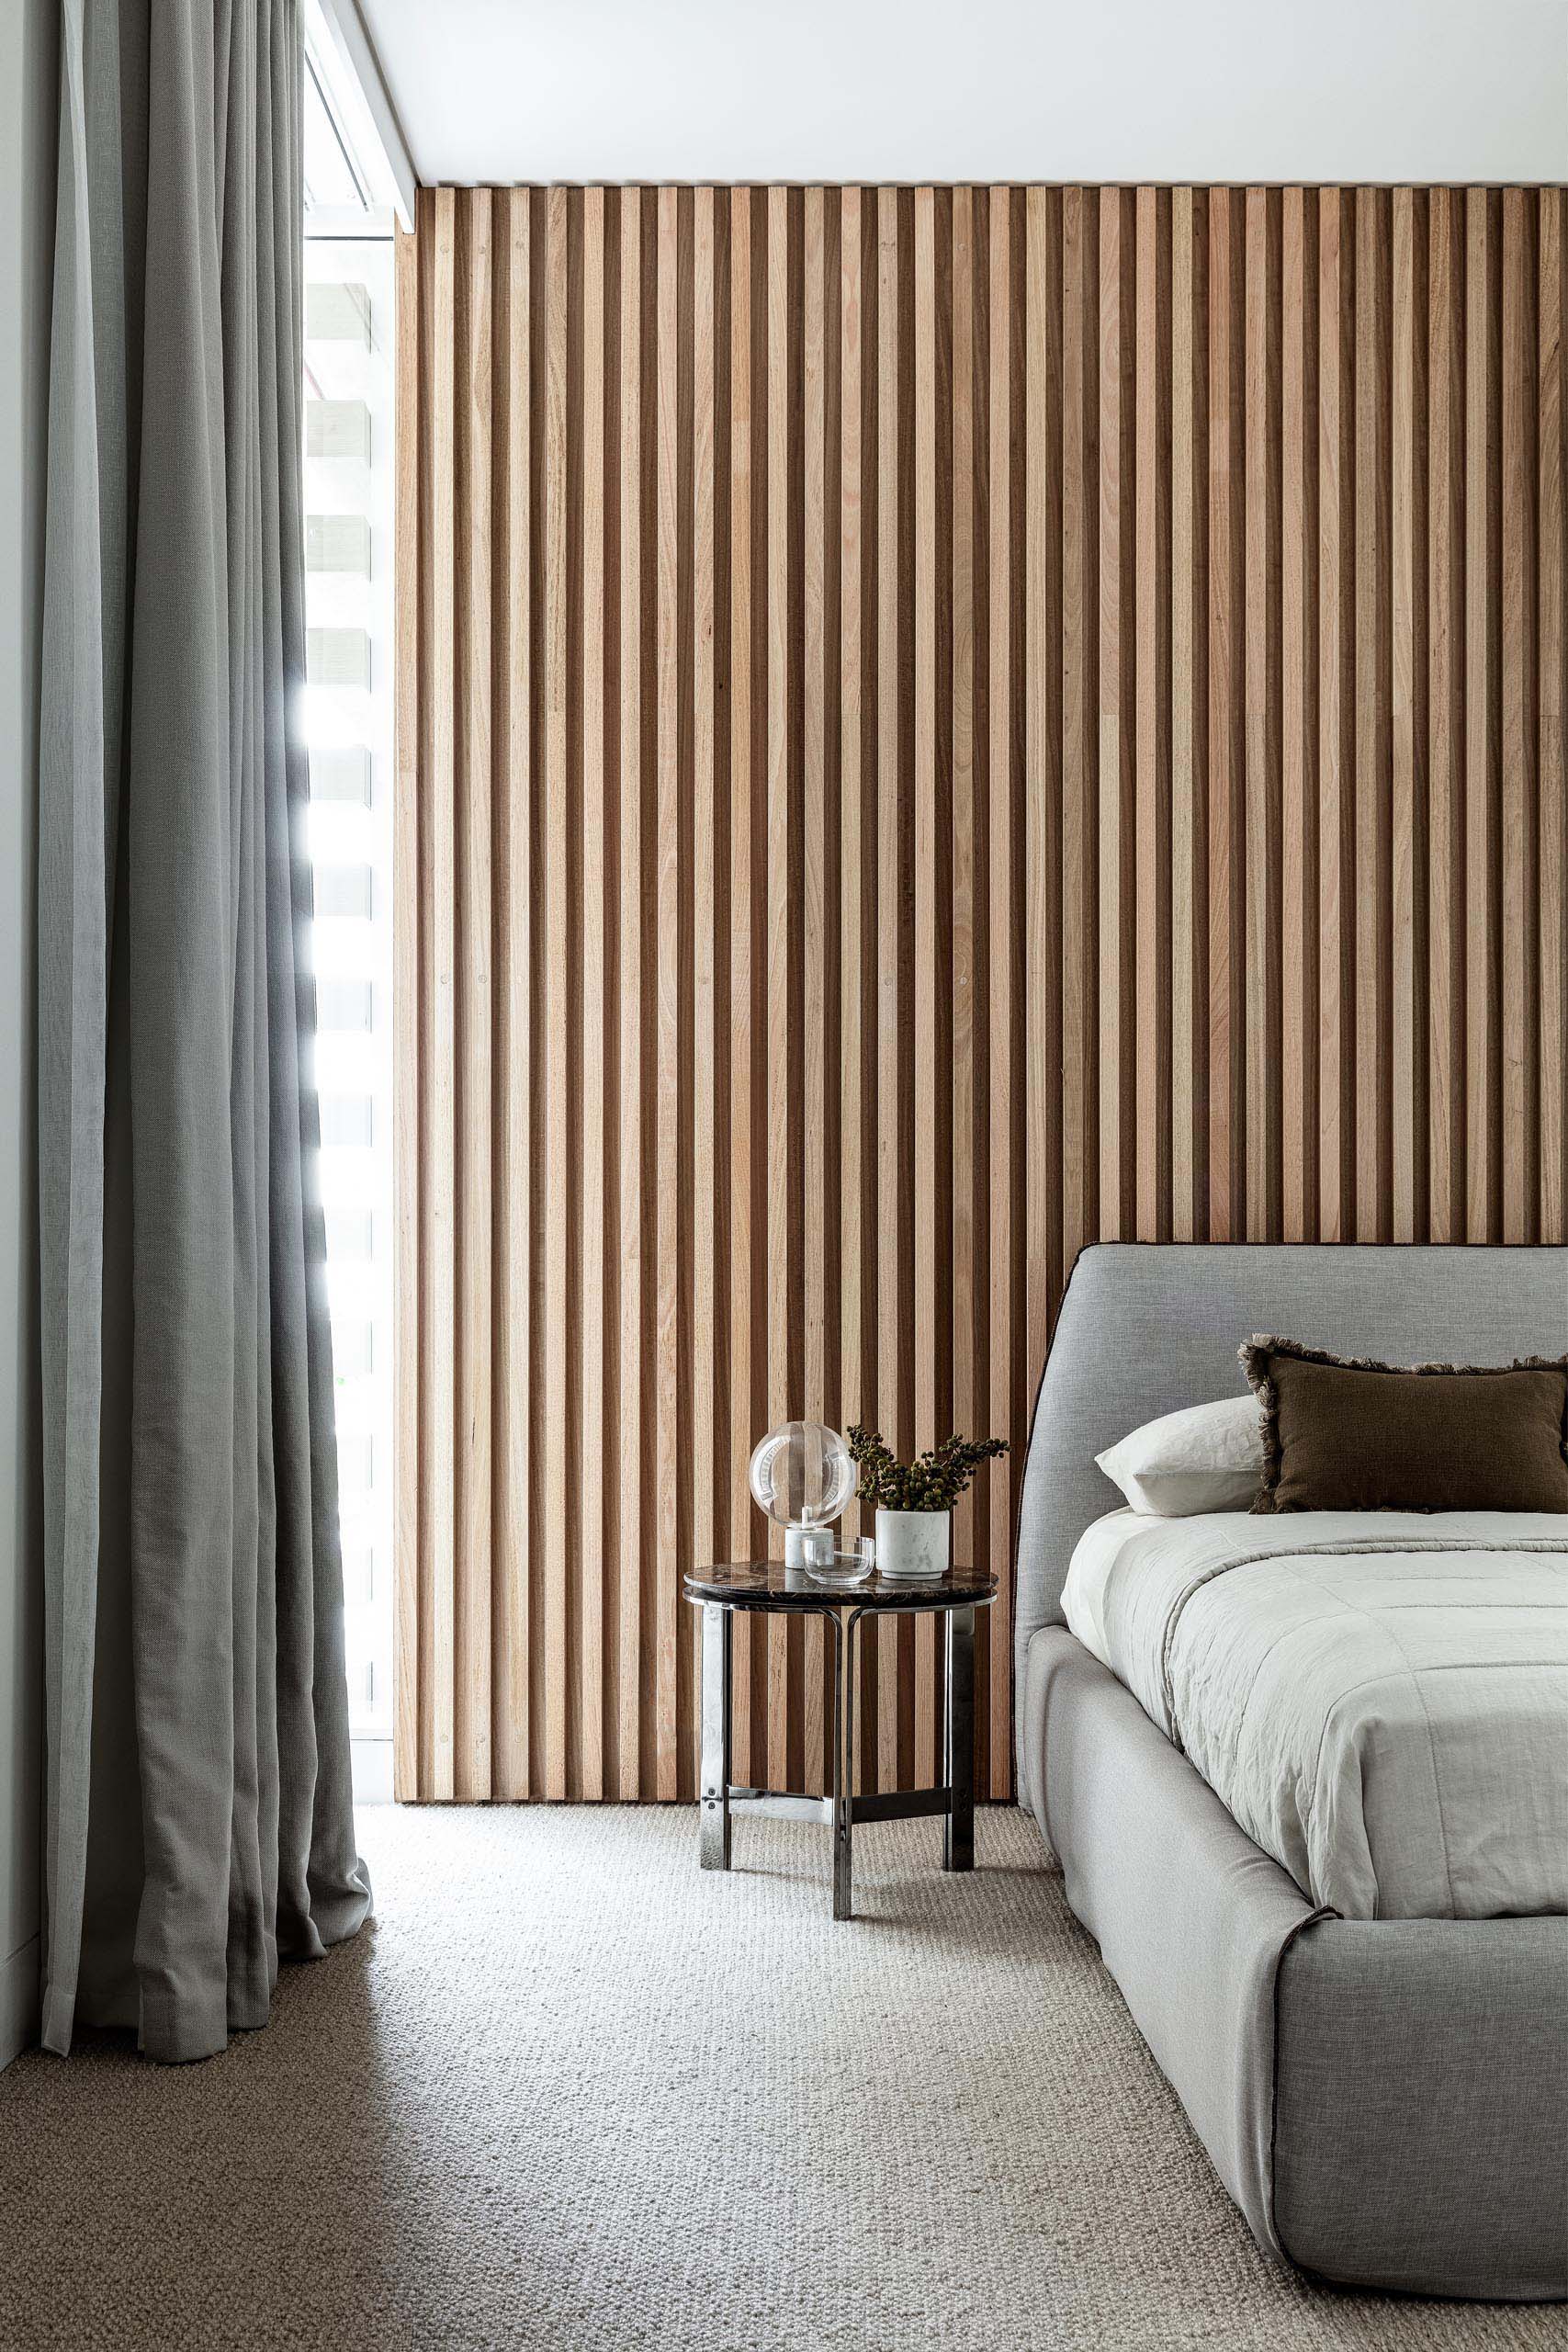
(958, 1830)
(713, 1830)
(843, 1761)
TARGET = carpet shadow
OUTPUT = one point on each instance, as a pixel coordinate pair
(259, 2189)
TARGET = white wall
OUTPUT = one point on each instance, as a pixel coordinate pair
(27, 68)
(1197, 90)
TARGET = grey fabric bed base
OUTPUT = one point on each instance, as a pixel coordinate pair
(1386, 2101)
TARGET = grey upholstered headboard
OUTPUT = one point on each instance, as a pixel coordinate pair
(1147, 1328)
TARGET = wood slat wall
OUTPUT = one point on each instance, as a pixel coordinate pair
(935, 725)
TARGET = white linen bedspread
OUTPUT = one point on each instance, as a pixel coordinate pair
(1380, 1698)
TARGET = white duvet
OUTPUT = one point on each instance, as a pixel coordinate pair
(1380, 1698)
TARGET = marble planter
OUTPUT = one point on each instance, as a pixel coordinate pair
(913, 1544)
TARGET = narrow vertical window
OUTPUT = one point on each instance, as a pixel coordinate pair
(349, 359)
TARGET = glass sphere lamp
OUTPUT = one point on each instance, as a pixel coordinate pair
(802, 1475)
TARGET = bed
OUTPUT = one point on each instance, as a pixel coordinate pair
(1385, 2098)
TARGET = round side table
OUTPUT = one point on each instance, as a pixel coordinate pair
(768, 1586)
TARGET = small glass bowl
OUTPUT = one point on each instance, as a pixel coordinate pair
(844, 1568)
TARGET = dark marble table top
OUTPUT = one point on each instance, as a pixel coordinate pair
(768, 1584)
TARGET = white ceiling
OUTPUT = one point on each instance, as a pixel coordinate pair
(512, 90)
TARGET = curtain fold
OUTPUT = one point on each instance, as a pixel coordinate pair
(198, 1794)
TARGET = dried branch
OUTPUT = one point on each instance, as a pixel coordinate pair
(933, 1481)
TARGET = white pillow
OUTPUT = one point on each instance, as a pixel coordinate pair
(1207, 1457)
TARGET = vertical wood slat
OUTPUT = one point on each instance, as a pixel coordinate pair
(857, 1321)
(893, 1058)
(1445, 1067)
(515, 1061)
(1151, 736)
(932, 727)
(1410, 1218)
(1037, 458)
(814, 1044)
(1117, 1054)
(472, 1578)
(1001, 1158)
(1481, 782)
(1225, 707)
(703, 1252)
(1518, 842)
(930, 941)
(1258, 649)
(785, 1691)
(961, 1222)
(746, 1215)
(1372, 780)
(1335, 706)
(1187, 867)
(560, 980)
(592, 1435)
(1078, 949)
(1298, 876)
(438, 1061)
(669, 1438)
(632, 1272)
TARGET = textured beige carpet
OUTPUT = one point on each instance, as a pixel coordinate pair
(571, 2093)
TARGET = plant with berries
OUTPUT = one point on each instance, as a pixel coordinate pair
(933, 1481)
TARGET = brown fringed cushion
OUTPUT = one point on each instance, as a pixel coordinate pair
(1342, 1434)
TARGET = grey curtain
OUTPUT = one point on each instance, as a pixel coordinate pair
(199, 1818)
